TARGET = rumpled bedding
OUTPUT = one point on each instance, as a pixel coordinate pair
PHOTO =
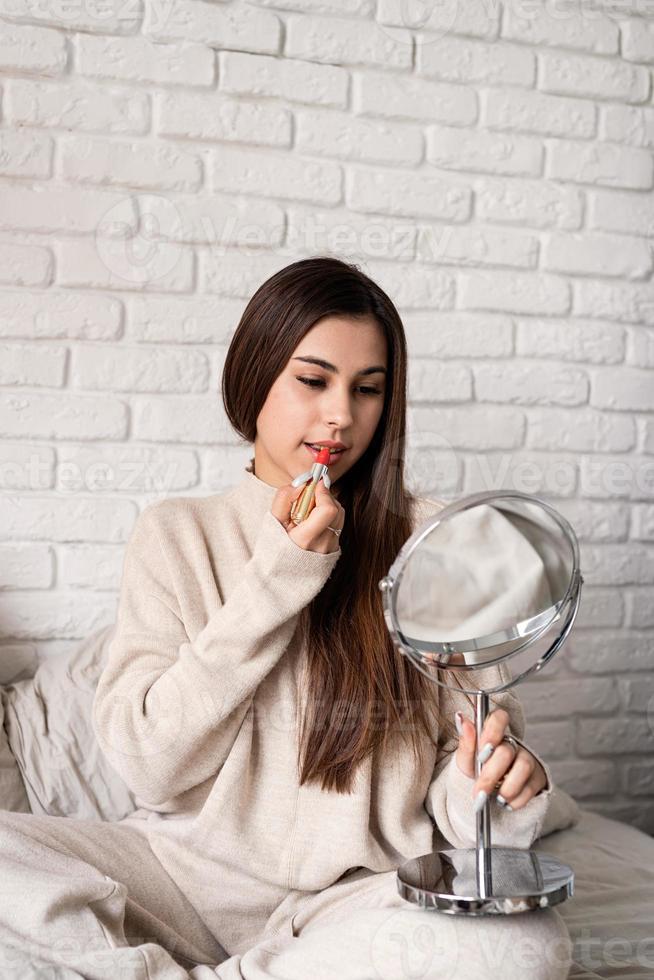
(50, 763)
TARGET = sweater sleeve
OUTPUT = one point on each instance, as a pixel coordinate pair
(449, 796)
(167, 709)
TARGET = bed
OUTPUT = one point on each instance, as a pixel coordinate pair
(50, 763)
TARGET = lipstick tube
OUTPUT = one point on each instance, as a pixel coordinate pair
(305, 503)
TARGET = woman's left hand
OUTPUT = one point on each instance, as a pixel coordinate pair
(519, 774)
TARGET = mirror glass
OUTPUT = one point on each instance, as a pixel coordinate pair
(488, 582)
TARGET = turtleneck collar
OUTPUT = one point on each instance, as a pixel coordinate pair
(255, 494)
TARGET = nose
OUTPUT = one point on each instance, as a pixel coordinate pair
(338, 410)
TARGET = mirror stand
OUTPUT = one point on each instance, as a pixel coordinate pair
(485, 880)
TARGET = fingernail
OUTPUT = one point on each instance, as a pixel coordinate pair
(480, 799)
(502, 802)
(486, 753)
(458, 721)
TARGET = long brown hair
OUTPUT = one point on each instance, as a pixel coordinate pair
(361, 693)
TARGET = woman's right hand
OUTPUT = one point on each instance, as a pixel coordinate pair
(313, 532)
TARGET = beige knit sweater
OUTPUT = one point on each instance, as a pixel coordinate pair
(196, 709)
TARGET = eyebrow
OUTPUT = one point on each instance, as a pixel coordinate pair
(375, 369)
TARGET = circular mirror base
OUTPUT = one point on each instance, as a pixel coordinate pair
(519, 881)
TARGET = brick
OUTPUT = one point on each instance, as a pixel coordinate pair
(123, 368)
(593, 431)
(640, 609)
(329, 133)
(630, 477)
(585, 777)
(25, 467)
(551, 699)
(619, 564)
(59, 314)
(477, 428)
(475, 18)
(586, 341)
(26, 567)
(529, 384)
(107, 17)
(25, 265)
(342, 42)
(638, 778)
(623, 211)
(109, 265)
(180, 320)
(477, 246)
(205, 116)
(126, 469)
(406, 194)
(551, 739)
(595, 521)
(138, 59)
(593, 78)
(218, 220)
(469, 62)
(349, 235)
(405, 97)
(598, 607)
(362, 8)
(612, 737)
(627, 124)
(25, 154)
(56, 518)
(637, 40)
(295, 81)
(32, 50)
(534, 112)
(537, 204)
(276, 175)
(78, 106)
(599, 163)
(90, 567)
(623, 302)
(414, 287)
(157, 166)
(51, 615)
(432, 381)
(640, 351)
(561, 27)
(32, 364)
(239, 275)
(550, 474)
(622, 389)
(72, 210)
(597, 651)
(243, 28)
(513, 292)
(456, 334)
(642, 526)
(181, 419)
(597, 255)
(59, 416)
(454, 149)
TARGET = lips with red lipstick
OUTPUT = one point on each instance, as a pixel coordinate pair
(334, 454)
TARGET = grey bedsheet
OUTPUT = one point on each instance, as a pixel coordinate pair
(50, 763)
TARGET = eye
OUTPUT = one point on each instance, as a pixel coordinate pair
(319, 383)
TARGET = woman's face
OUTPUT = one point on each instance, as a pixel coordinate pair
(309, 402)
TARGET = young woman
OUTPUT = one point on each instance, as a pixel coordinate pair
(284, 757)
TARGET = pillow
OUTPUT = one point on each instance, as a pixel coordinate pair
(47, 719)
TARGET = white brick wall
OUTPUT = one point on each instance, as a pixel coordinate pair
(489, 164)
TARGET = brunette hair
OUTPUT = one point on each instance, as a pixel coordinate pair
(360, 692)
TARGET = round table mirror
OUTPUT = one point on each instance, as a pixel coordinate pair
(481, 595)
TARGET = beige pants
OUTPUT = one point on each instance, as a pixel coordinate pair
(87, 899)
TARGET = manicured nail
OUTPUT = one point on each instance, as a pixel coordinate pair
(486, 753)
(502, 802)
(458, 721)
(480, 799)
